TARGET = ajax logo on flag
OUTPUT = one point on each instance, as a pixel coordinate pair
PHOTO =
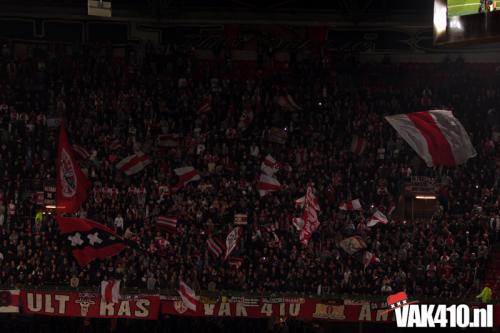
(413, 314)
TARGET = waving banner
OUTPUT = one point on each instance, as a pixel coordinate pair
(71, 183)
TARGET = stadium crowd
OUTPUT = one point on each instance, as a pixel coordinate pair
(115, 108)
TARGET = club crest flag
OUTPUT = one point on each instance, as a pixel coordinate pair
(71, 183)
(232, 240)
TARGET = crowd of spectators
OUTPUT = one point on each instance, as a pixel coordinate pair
(131, 101)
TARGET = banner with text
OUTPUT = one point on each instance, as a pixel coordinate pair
(305, 309)
(76, 304)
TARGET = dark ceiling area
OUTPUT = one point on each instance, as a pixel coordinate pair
(347, 10)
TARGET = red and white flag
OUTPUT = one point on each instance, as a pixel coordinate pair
(71, 183)
(168, 140)
(267, 184)
(188, 296)
(205, 105)
(167, 223)
(186, 175)
(10, 301)
(115, 145)
(241, 219)
(287, 102)
(88, 239)
(369, 259)
(269, 166)
(215, 246)
(81, 151)
(232, 240)
(298, 223)
(436, 136)
(299, 203)
(377, 217)
(235, 262)
(350, 205)
(133, 164)
(310, 217)
(358, 145)
(110, 291)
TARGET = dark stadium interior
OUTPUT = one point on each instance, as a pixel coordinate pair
(194, 120)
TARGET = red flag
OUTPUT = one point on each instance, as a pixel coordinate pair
(186, 175)
(168, 140)
(267, 184)
(377, 217)
(134, 163)
(311, 222)
(167, 223)
(269, 166)
(10, 301)
(89, 240)
(110, 291)
(188, 296)
(235, 262)
(369, 258)
(71, 183)
(358, 145)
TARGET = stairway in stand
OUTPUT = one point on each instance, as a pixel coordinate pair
(493, 272)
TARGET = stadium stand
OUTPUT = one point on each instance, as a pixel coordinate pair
(116, 108)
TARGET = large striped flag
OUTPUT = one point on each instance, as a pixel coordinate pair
(267, 184)
(167, 223)
(215, 246)
(436, 136)
(188, 296)
(134, 163)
